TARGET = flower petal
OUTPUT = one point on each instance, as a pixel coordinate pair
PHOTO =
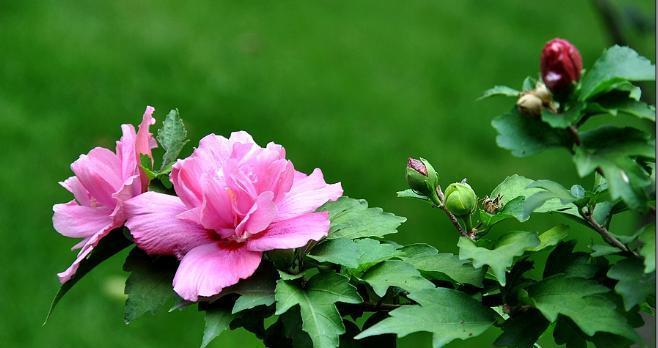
(207, 269)
(153, 222)
(292, 233)
(78, 221)
(145, 141)
(306, 195)
(73, 185)
(259, 216)
(99, 172)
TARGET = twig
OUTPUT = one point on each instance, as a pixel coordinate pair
(607, 236)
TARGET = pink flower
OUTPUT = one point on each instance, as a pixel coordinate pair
(235, 201)
(103, 181)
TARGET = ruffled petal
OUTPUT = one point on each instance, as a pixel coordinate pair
(99, 172)
(145, 141)
(78, 221)
(292, 233)
(153, 223)
(80, 193)
(205, 270)
(307, 194)
(259, 216)
(186, 177)
(89, 244)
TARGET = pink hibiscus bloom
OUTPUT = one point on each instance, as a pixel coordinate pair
(235, 201)
(103, 181)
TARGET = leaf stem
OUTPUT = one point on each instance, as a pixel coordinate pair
(607, 236)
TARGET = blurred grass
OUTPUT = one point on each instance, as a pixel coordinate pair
(350, 87)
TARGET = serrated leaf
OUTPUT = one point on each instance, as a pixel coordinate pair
(615, 66)
(172, 136)
(523, 330)
(613, 150)
(551, 191)
(626, 107)
(583, 301)
(149, 285)
(648, 248)
(357, 254)
(351, 218)
(395, 273)
(433, 264)
(114, 242)
(603, 250)
(316, 302)
(502, 256)
(217, 320)
(447, 314)
(633, 284)
(499, 91)
(525, 136)
(551, 237)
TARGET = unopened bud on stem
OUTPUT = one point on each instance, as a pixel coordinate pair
(461, 200)
(421, 177)
(561, 66)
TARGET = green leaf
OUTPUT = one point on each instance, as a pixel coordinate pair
(448, 314)
(603, 250)
(566, 332)
(409, 193)
(217, 320)
(149, 285)
(395, 273)
(433, 264)
(529, 83)
(516, 189)
(500, 91)
(613, 150)
(172, 136)
(523, 330)
(354, 254)
(107, 247)
(648, 249)
(248, 301)
(615, 66)
(287, 332)
(564, 119)
(551, 237)
(525, 136)
(551, 191)
(316, 301)
(634, 285)
(583, 301)
(502, 256)
(627, 107)
(351, 218)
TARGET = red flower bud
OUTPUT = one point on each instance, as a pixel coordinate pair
(561, 65)
(417, 165)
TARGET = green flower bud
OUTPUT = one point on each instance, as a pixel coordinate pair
(421, 177)
(460, 199)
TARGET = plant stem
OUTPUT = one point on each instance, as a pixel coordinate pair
(607, 236)
(453, 219)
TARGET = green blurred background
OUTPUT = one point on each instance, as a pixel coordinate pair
(350, 87)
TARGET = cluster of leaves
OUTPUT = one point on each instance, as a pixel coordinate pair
(356, 289)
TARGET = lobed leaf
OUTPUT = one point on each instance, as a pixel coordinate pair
(447, 314)
(616, 66)
(316, 301)
(351, 218)
(502, 256)
(525, 136)
(395, 273)
(433, 264)
(357, 254)
(633, 284)
(583, 301)
(148, 286)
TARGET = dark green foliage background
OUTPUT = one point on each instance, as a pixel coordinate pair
(350, 87)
